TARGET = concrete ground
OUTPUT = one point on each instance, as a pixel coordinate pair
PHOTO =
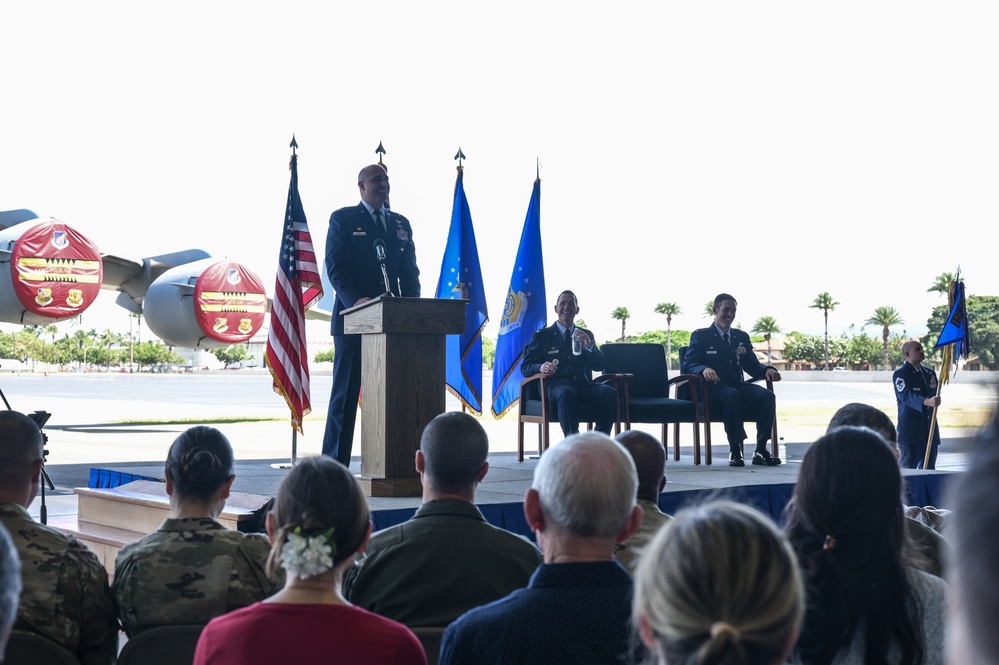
(86, 431)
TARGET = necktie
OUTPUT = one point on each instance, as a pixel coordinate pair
(727, 340)
(379, 220)
(568, 336)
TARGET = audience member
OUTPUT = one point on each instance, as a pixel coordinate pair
(845, 523)
(65, 594)
(917, 396)
(192, 568)
(447, 559)
(719, 584)
(552, 351)
(649, 456)
(721, 354)
(318, 525)
(925, 546)
(10, 586)
(576, 608)
(974, 570)
(857, 414)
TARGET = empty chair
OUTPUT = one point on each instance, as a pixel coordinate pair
(27, 648)
(430, 638)
(645, 388)
(163, 645)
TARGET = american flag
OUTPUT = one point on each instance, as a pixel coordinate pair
(298, 287)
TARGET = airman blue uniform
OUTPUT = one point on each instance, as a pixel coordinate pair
(913, 385)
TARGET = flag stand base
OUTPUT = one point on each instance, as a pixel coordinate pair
(294, 450)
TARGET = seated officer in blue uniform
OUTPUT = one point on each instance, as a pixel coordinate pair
(721, 354)
(570, 377)
(915, 392)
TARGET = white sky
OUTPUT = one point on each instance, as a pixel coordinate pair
(773, 150)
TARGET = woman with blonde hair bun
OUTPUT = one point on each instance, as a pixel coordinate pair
(718, 585)
(318, 526)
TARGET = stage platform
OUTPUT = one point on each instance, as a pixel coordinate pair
(501, 494)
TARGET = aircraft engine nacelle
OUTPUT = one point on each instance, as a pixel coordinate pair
(49, 272)
(205, 304)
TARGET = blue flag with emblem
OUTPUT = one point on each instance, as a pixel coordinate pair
(461, 277)
(954, 337)
(955, 330)
(524, 312)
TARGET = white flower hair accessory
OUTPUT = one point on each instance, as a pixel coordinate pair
(306, 555)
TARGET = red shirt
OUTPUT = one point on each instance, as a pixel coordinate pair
(267, 633)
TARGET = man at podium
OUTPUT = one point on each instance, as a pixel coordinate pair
(361, 240)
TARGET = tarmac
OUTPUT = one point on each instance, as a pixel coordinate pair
(86, 432)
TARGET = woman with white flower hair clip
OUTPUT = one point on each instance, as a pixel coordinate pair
(319, 524)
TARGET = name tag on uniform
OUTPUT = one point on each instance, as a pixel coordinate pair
(711, 352)
(553, 352)
(360, 233)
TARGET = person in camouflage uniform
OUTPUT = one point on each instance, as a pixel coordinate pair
(192, 568)
(65, 594)
(649, 456)
(10, 586)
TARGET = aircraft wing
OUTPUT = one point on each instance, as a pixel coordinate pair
(133, 277)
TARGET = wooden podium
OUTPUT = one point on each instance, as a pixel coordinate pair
(403, 376)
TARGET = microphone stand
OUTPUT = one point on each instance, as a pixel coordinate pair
(380, 253)
(388, 289)
(40, 418)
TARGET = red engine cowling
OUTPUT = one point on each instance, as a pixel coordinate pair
(49, 272)
(206, 304)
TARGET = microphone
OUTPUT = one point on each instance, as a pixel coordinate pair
(380, 253)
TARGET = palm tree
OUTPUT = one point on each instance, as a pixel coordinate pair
(81, 339)
(108, 338)
(670, 309)
(942, 284)
(825, 302)
(621, 314)
(885, 317)
(709, 309)
(766, 325)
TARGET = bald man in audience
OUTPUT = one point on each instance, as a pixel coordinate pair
(447, 559)
(577, 607)
(650, 461)
(927, 547)
(65, 593)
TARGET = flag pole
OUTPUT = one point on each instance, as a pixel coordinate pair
(297, 287)
(294, 433)
(933, 425)
(951, 354)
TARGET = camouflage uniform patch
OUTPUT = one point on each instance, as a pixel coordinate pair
(189, 571)
(65, 593)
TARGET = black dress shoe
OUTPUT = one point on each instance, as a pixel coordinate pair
(735, 459)
(764, 458)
